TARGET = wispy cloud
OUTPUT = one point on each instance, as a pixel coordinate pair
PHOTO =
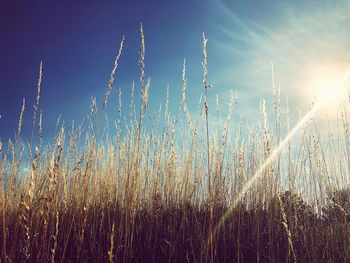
(295, 35)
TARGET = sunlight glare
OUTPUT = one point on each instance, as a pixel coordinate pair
(337, 85)
(325, 84)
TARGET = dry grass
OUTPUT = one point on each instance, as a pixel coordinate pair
(156, 191)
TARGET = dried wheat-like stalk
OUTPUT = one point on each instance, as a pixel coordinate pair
(35, 106)
(231, 107)
(286, 228)
(93, 106)
(142, 56)
(111, 245)
(111, 80)
(54, 238)
(183, 92)
(35, 167)
(189, 120)
(206, 109)
(20, 122)
(265, 128)
(39, 83)
(144, 98)
(41, 128)
(82, 230)
(119, 118)
(24, 207)
(166, 112)
(132, 101)
(120, 104)
(217, 102)
(145, 95)
(206, 86)
(184, 82)
(204, 62)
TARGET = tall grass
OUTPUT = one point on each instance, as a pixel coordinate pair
(158, 191)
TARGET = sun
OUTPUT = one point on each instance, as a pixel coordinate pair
(328, 85)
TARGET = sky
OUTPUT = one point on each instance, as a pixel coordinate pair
(77, 41)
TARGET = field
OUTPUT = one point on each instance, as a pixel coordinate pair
(176, 187)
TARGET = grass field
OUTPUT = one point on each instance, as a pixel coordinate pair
(176, 187)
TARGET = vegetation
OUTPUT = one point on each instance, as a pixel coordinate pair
(161, 190)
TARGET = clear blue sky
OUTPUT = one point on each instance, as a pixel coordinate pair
(78, 40)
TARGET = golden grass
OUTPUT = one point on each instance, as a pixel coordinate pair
(156, 191)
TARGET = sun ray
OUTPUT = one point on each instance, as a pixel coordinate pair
(341, 88)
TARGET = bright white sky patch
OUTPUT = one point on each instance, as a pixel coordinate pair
(326, 83)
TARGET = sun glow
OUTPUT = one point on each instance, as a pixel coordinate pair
(331, 94)
(327, 85)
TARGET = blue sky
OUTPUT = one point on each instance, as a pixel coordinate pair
(78, 41)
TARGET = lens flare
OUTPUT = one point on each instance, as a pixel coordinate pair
(323, 101)
(325, 83)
